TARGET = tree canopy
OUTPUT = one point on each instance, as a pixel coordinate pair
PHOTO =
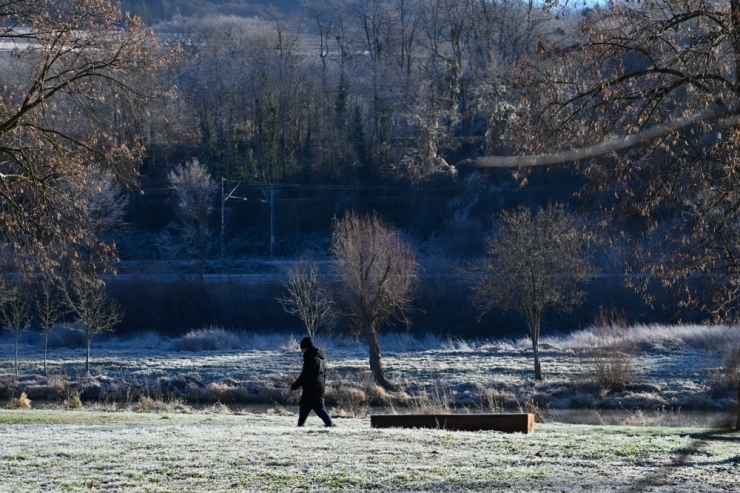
(76, 65)
(637, 67)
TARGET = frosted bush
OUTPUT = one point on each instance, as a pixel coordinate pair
(209, 339)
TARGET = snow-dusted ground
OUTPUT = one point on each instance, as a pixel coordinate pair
(218, 453)
(676, 366)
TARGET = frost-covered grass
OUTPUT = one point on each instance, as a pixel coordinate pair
(676, 366)
(82, 451)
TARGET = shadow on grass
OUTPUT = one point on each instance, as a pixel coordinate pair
(683, 456)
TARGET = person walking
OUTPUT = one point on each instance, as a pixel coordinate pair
(313, 381)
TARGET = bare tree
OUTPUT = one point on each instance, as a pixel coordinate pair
(87, 297)
(377, 272)
(49, 310)
(69, 59)
(533, 264)
(16, 312)
(194, 192)
(306, 299)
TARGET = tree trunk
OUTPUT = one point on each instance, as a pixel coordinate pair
(87, 358)
(376, 365)
(16, 355)
(537, 366)
(535, 323)
(737, 425)
(46, 346)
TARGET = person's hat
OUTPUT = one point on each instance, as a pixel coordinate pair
(306, 343)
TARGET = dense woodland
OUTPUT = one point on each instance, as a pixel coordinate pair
(319, 111)
(301, 111)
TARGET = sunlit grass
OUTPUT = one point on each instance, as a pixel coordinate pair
(80, 450)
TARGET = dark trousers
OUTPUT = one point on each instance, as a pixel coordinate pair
(320, 412)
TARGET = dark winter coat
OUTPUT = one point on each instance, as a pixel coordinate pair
(312, 378)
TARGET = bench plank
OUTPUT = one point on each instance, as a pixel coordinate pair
(511, 423)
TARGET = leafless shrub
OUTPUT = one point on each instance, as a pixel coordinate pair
(88, 299)
(723, 361)
(610, 317)
(611, 364)
(64, 391)
(377, 393)
(50, 308)
(67, 336)
(351, 403)
(15, 312)
(306, 298)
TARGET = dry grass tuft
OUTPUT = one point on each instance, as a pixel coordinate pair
(352, 395)
(378, 393)
(432, 400)
(73, 401)
(658, 417)
(220, 408)
(492, 401)
(149, 405)
(279, 410)
(341, 413)
(351, 403)
(22, 402)
(528, 405)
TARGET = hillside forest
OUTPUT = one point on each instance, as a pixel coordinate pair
(188, 154)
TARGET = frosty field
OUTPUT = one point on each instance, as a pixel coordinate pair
(675, 367)
(92, 451)
(107, 447)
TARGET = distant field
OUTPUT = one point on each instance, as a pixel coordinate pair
(675, 367)
(46, 451)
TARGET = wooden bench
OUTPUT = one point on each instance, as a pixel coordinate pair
(511, 423)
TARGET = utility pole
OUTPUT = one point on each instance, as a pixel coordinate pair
(223, 202)
(272, 219)
(223, 205)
